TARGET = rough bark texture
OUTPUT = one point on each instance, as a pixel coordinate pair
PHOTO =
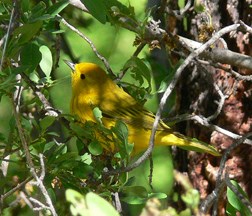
(198, 95)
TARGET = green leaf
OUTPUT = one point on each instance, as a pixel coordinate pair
(83, 130)
(139, 70)
(89, 205)
(235, 202)
(57, 7)
(46, 61)
(157, 195)
(78, 204)
(83, 170)
(67, 157)
(138, 191)
(30, 56)
(37, 11)
(48, 146)
(134, 200)
(95, 148)
(191, 198)
(97, 9)
(27, 31)
(122, 131)
(46, 122)
(99, 206)
(52, 194)
(97, 114)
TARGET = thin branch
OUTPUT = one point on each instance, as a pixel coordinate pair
(179, 14)
(241, 197)
(40, 204)
(30, 162)
(42, 174)
(245, 27)
(138, 50)
(228, 69)
(103, 59)
(50, 111)
(7, 35)
(208, 202)
(203, 121)
(212, 199)
(222, 166)
(220, 103)
(117, 202)
(223, 56)
(27, 201)
(18, 187)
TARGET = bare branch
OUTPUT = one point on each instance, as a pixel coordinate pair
(18, 187)
(245, 27)
(103, 59)
(117, 202)
(223, 56)
(222, 166)
(203, 121)
(30, 162)
(241, 197)
(220, 103)
(50, 111)
(212, 199)
(40, 204)
(7, 35)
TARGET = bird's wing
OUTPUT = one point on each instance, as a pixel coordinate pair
(125, 108)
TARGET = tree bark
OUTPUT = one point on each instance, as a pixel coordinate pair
(198, 95)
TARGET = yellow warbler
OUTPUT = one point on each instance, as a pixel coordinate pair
(91, 87)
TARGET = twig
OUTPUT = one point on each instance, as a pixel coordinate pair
(42, 174)
(50, 111)
(242, 198)
(89, 42)
(179, 13)
(222, 166)
(223, 56)
(27, 201)
(245, 27)
(208, 202)
(220, 103)
(228, 69)
(151, 171)
(7, 35)
(19, 186)
(138, 50)
(212, 199)
(30, 162)
(117, 202)
(42, 206)
(203, 121)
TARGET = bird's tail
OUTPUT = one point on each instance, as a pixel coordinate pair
(177, 139)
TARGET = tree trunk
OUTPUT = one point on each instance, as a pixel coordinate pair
(198, 95)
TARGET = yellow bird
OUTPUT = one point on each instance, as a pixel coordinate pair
(91, 87)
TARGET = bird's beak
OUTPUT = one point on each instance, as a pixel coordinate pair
(70, 64)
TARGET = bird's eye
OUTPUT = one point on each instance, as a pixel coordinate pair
(82, 76)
